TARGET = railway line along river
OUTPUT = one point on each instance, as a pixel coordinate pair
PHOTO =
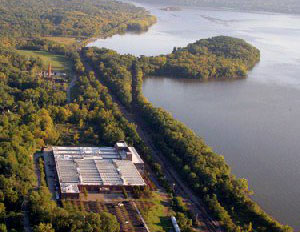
(253, 122)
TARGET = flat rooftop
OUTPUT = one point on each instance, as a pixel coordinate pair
(98, 166)
(86, 152)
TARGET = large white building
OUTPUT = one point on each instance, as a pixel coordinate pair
(97, 169)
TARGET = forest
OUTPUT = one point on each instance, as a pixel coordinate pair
(216, 58)
(280, 6)
(31, 111)
(226, 197)
(34, 114)
(70, 18)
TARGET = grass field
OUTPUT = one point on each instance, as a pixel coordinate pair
(156, 212)
(62, 40)
(58, 62)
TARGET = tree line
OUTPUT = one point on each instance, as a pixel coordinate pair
(217, 58)
(73, 18)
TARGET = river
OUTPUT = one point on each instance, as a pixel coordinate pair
(254, 122)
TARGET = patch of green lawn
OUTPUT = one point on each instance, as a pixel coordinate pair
(58, 62)
(158, 215)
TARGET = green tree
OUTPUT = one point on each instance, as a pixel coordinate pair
(42, 227)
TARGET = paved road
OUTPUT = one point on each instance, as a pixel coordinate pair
(171, 174)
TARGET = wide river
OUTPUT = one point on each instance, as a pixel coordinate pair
(254, 123)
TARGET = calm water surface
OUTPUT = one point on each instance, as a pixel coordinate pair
(254, 122)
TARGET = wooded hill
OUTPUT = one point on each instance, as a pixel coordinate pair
(75, 18)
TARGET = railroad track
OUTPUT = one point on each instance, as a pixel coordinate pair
(181, 189)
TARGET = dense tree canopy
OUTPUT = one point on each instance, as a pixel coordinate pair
(25, 126)
(30, 113)
(77, 18)
(220, 57)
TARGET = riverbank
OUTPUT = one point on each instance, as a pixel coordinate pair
(252, 143)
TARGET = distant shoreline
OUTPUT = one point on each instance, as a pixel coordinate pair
(288, 8)
(171, 8)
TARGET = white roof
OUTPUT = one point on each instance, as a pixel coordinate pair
(95, 166)
(96, 152)
(136, 159)
(121, 144)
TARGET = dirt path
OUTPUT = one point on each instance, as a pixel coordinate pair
(71, 85)
(196, 205)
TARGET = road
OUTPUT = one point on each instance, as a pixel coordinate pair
(182, 189)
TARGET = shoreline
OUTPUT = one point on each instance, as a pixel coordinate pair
(243, 78)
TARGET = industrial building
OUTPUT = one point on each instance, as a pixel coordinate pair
(97, 169)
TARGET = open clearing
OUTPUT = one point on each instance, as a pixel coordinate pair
(62, 40)
(58, 62)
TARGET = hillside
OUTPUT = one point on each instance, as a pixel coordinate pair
(70, 18)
